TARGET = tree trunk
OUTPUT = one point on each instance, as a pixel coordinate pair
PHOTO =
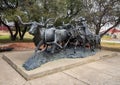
(23, 33)
(18, 30)
(97, 29)
(13, 36)
(11, 33)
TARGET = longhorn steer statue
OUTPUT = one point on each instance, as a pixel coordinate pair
(50, 36)
(47, 36)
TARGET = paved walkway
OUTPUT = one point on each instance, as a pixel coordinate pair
(103, 72)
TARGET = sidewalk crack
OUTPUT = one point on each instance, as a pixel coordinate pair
(75, 78)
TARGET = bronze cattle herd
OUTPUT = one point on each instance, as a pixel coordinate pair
(61, 37)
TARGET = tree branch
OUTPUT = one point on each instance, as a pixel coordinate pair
(118, 22)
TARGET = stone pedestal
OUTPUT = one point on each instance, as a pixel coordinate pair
(17, 59)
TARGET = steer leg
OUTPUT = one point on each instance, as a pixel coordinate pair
(76, 43)
(38, 45)
(55, 42)
(53, 48)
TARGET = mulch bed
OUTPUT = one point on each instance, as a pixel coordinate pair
(17, 46)
(2, 49)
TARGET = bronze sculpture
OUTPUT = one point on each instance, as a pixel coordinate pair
(58, 42)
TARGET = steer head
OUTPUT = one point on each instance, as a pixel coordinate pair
(34, 27)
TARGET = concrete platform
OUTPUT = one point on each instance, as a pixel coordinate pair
(16, 60)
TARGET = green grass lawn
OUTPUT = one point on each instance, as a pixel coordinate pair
(5, 38)
(105, 37)
(110, 45)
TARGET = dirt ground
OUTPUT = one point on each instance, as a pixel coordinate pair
(19, 46)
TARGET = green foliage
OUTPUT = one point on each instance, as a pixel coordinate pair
(60, 21)
(35, 9)
(6, 38)
(74, 5)
(97, 12)
(100, 12)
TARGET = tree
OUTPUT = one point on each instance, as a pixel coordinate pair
(11, 4)
(5, 5)
(73, 7)
(116, 23)
(97, 12)
(13, 35)
(9, 8)
(67, 9)
(101, 12)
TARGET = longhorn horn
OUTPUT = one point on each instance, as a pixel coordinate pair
(40, 24)
(56, 19)
(19, 18)
(50, 19)
(10, 5)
